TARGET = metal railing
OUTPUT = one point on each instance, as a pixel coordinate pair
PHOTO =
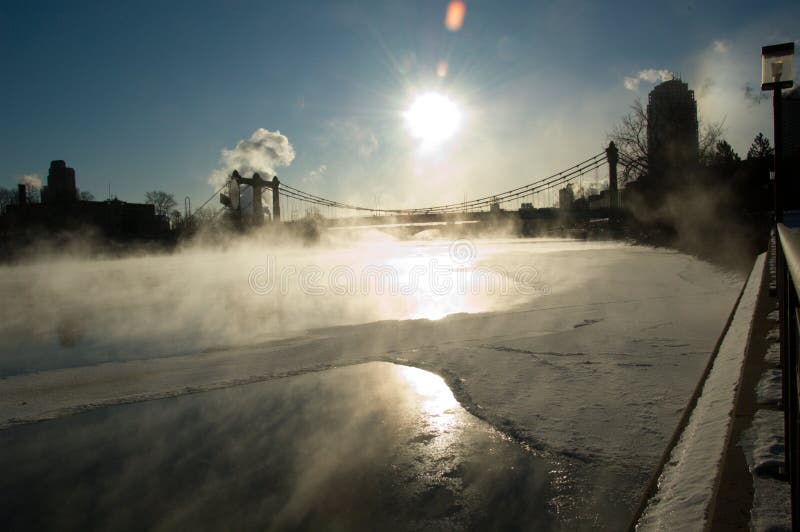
(787, 262)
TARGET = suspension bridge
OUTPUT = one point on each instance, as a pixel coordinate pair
(291, 204)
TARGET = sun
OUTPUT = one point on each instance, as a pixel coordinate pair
(433, 118)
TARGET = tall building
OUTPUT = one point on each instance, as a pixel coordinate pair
(60, 184)
(672, 135)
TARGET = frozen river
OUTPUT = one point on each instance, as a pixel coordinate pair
(572, 359)
(373, 446)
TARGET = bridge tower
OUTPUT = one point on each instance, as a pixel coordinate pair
(258, 184)
(612, 154)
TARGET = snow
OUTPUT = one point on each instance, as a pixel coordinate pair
(764, 451)
(773, 356)
(591, 369)
(763, 444)
(687, 483)
(769, 388)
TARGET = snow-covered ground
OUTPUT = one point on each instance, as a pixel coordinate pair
(583, 351)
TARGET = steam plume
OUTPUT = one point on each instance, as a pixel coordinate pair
(263, 152)
(32, 181)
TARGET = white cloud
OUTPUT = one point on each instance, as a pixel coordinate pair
(650, 75)
(263, 152)
(721, 47)
(315, 175)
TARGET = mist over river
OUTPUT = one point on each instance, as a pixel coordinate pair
(564, 367)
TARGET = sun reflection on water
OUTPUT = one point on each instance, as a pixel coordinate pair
(438, 403)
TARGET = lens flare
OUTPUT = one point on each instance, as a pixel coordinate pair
(454, 18)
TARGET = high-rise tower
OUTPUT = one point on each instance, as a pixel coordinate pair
(672, 135)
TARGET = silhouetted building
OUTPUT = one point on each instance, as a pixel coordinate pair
(566, 197)
(603, 200)
(60, 186)
(672, 134)
(61, 210)
(790, 130)
(790, 126)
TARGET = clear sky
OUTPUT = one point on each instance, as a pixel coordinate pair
(147, 95)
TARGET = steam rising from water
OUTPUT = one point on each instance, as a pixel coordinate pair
(70, 311)
(83, 311)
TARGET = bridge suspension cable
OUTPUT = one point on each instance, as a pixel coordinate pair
(560, 178)
(549, 182)
(292, 194)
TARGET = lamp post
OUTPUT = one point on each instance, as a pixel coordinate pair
(777, 72)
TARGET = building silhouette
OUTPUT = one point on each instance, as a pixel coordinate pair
(672, 129)
(790, 127)
(566, 197)
(790, 132)
(61, 209)
(60, 186)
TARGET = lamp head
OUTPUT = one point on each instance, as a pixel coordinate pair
(777, 66)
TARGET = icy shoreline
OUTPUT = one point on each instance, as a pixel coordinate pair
(607, 358)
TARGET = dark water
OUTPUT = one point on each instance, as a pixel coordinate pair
(368, 447)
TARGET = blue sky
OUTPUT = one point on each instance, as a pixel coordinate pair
(146, 95)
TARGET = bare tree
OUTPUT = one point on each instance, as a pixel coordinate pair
(85, 195)
(163, 201)
(710, 137)
(630, 136)
(7, 197)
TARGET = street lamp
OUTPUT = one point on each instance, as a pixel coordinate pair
(777, 72)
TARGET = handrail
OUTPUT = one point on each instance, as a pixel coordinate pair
(790, 245)
(787, 251)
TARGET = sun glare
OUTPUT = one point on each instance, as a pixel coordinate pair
(433, 118)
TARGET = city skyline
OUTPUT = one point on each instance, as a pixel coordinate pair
(145, 98)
